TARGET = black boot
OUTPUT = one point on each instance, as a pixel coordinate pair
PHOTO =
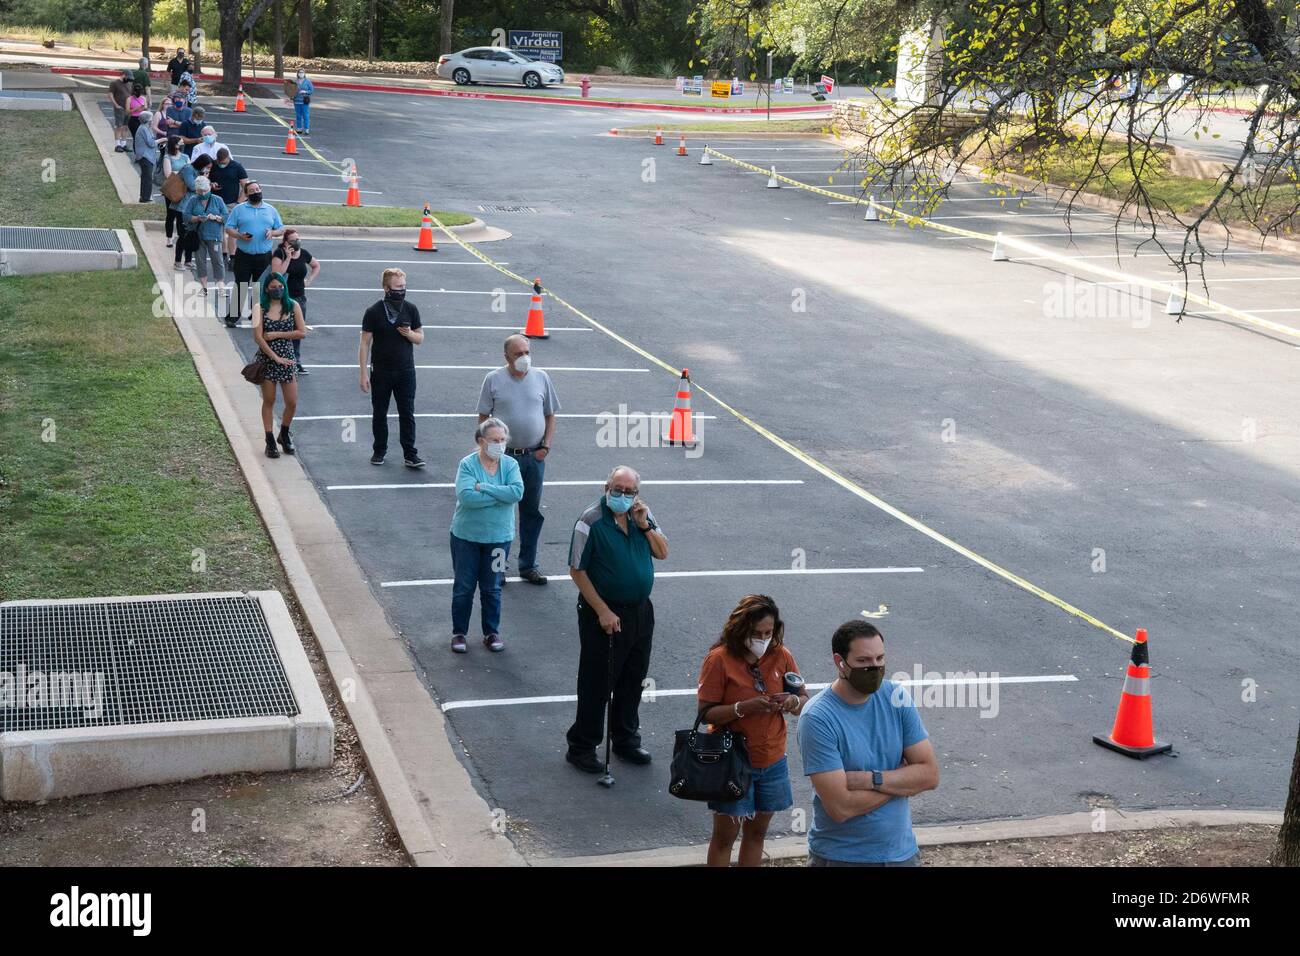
(271, 450)
(286, 440)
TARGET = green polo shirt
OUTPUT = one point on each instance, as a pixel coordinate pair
(620, 565)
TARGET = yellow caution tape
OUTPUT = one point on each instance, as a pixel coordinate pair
(801, 455)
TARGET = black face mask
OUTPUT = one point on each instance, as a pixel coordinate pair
(255, 198)
(866, 680)
(295, 243)
(395, 295)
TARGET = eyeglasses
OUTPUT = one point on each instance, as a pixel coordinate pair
(760, 685)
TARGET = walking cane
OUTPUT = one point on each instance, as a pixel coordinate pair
(608, 779)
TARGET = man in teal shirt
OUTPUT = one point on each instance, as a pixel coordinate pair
(866, 752)
(611, 558)
(254, 225)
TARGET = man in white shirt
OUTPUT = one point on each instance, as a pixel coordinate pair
(209, 146)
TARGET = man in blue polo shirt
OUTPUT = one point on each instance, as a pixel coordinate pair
(254, 225)
(866, 752)
(610, 560)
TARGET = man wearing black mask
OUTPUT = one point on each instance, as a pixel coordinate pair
(389, 331)
(865, 752)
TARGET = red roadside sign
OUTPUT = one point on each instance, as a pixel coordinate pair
(828, 83)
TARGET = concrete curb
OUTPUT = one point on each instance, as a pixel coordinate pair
(1068, 824)
(1290, 247)
(703, 135)
(476, 231)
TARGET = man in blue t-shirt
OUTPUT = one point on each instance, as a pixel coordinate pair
(865, 750)
(254, 225)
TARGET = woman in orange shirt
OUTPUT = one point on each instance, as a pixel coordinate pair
(742, 688)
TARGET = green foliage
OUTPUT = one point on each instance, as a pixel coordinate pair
(625, 63)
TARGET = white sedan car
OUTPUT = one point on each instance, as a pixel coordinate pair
(490, 64)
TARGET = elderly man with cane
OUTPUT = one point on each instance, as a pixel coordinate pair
(611, 560)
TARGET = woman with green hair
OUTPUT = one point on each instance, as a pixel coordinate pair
(277, 322)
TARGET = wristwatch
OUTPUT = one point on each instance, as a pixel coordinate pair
(877, 780)
(650, 525)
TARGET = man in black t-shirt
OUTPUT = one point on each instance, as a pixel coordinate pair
(228, 181)
(390, 329)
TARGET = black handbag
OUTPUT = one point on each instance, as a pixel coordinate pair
(710, 766)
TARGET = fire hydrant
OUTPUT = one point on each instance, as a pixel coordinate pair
(586, 86)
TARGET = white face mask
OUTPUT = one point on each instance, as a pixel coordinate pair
(495, 449)
(523, 363)
(756, 647)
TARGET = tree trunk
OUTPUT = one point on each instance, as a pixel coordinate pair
(279, 39)
(232, 43)
(233, 30)
(306, 41)
(1288, 838)
(448, 11)
(371, 51)
(194, 20)
(146, 17)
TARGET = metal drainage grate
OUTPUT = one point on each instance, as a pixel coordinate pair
(75, 664)
(499, 207)
(59, 239)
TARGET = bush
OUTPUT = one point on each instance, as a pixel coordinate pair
(625, 63)
(667, 69)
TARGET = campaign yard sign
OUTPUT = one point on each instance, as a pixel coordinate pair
(538, 44)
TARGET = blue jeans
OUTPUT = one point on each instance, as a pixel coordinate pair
(302, 116)
(815, 860)
(769, 792)
(472, 567)
(533, 473)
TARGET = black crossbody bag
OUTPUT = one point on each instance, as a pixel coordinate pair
(710, 766)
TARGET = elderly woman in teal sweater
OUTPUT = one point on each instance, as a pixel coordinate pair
(488, 486)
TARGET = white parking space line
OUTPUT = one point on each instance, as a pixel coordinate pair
(319, 189)
(317, 288)
(421, 262)
(593, 483)
(488, 368)
(1251, 311)
(756, 572)
(1131, 255)
(1023, 215)
(1065, 235)
(650, 695)
(284, 172)
(490, 328)
(600, 416)
(1238, 279)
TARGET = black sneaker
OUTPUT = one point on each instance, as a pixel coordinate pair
(416, 462)
(377, 458)
(302, 369)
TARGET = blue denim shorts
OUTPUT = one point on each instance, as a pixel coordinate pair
(769, 792)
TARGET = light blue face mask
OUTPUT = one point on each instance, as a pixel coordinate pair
(619, 504)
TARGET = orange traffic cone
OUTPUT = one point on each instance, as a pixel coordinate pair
(535, 327)
(239, 101)
(681, 147)
(354, 193)
(291, 143)
(426, 243)
(1133, 734)
(659, 135)
(680, 431)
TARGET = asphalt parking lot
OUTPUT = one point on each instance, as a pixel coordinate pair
(917, 370)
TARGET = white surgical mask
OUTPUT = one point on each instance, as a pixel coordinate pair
(756, 647)
(496, 449)
(523, 363)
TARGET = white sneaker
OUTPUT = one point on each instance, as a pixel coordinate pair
(170, 243)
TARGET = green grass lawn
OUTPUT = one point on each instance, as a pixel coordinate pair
(113, 468)
(309, 215)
